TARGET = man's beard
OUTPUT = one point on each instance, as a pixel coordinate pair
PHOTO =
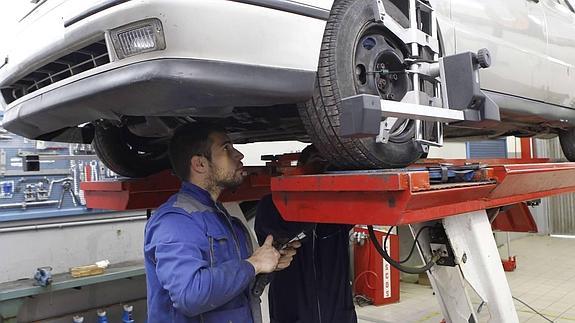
(229, 182)
(224, 181)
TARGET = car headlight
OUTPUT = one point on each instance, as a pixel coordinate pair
(138, 37)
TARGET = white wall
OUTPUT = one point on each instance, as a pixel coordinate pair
(459, 149)
(456, 150)
(253, 152)
(61, 248)
(513, 147)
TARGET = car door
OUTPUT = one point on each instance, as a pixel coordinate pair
(560, 17)
(514, 33)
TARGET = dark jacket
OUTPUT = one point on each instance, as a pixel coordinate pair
(195, 264)
(315, 288)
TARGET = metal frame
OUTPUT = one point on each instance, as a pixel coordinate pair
(396, 197)
(419, 133)
(421, 112)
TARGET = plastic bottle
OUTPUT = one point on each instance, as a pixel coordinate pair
(102, 316)
(78, 319)
(127, 316)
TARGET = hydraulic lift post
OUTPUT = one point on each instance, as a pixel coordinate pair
(477, 263)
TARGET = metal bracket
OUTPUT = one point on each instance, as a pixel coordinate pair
(385, 130)
(462, 101)
(454, 80)
(362, 113)
(380, 11)
(439, 244)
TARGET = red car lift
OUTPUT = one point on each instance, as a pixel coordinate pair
(467, 211)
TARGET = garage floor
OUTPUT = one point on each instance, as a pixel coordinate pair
(544, 279)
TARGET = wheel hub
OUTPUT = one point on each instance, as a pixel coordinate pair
(379, 70)
(389, 76)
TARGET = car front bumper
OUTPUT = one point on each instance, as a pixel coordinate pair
(160, 87)
(218, 53)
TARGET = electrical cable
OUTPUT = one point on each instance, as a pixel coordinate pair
(531, 308)
(391, 261)
(415, 242)
(412, 246)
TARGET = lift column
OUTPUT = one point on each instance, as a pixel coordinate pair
(477, 262)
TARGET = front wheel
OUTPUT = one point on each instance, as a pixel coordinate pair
(127, 155)
(358, 56)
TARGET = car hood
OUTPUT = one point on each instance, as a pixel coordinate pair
(39, 10)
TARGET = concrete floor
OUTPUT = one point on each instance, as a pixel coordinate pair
(544, 279)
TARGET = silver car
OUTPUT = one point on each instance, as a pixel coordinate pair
(123, 74)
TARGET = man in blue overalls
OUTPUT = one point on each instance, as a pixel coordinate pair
(198, 258)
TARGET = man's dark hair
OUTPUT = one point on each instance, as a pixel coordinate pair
(188, 141)
(305, 155)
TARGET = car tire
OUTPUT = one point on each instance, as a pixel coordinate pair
(112, 147)
(567, 140)
(337, 79)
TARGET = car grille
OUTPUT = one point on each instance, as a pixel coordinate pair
(81, 60)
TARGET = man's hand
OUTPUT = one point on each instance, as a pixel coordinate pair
(265, 258)
(287, 255)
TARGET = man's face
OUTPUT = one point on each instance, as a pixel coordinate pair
(226, 162)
